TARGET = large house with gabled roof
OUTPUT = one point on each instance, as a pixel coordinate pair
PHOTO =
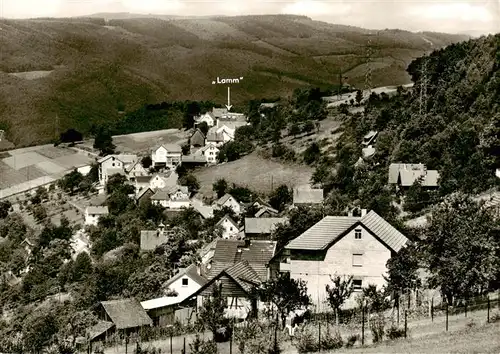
(114, 164)
(166, 155)
(227, 200)
(357, 246)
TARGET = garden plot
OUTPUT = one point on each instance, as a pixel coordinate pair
(71, 161)
(18, 161)
(143, 142)
(50, 167)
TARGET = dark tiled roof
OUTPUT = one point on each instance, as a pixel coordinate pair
(258, 253)
(126, 313)
(330, 228)
(243, 273)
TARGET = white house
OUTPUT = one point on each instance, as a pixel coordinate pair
(176, 197)
(114, 164)
(186, 282)
(208, 118)
(136, 170)
(344, 246)
(228, 201)
(210, 152)
(229, 227)
(167, 155)
(93, 213)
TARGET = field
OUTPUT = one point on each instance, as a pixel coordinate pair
(254, 172)
(86, 71)
(141, 143)
(24, 169)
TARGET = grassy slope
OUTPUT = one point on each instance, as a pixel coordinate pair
(100, 70)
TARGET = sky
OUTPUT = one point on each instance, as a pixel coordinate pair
(482, 16)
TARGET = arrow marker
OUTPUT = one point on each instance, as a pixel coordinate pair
(228, 106)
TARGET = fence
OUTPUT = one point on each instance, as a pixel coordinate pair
(362, 324)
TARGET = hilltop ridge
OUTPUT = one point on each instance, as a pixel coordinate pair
(86, 71)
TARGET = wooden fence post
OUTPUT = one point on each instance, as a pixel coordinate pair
(171, 351)
(362, 325)
(465, 307)
(406, 323)
(319, 333)
(432, 309)
(446, 316)
(488, 319)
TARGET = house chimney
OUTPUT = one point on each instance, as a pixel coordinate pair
(363, 212)
(349, 212)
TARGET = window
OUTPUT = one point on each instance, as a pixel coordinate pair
(357, 260)
(185, 281)
(357, 284)
(357, 234)
(113, 164)
(230, 228)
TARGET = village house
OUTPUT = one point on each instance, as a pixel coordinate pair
(93, 213)
(144, 195)
(157, 181)
(370, 139)
(173, 197)
(209, 153)
(307, 196)
(229, 201)
(207, 117)
(230, 228)
(266, 212)
(123, 317)
(357, 246)
(197, 139)
(150, 239)
(215, 138)
(219, 113)
(135, 170)
(236, 283)
(166, 310)
(166, 155)
(261, 228)
(403, 176)
(114, 164)
(205, 211)
(237, 266)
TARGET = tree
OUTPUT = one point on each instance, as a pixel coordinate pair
(286, 293)
(201, 346)
(280, 197)
(185, 149)
(38, 329)
(308, 126)
(103, 141)
(294, 129)
(417, 197)
(82, 267)
(312, 153)
(76, 323)
(403, 271)
(191, 182)
(339, 292)
(220, 187)
(118, 183)
(241, 194)
(203, 126)
(146, 161)
(39, 213)
(462, 247)
(5, 206)
(71, 136)
(211, 315)
(71, 182)
(359, 96)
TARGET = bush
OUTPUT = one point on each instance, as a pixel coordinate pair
(495, 317)
(377, 328)
(471, 324)
(306, 342)
(351, 340)
(395, 332)
(200, 346)
(329, 341)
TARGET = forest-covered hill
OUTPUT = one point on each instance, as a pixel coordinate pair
(450, 121)
(87, 71)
